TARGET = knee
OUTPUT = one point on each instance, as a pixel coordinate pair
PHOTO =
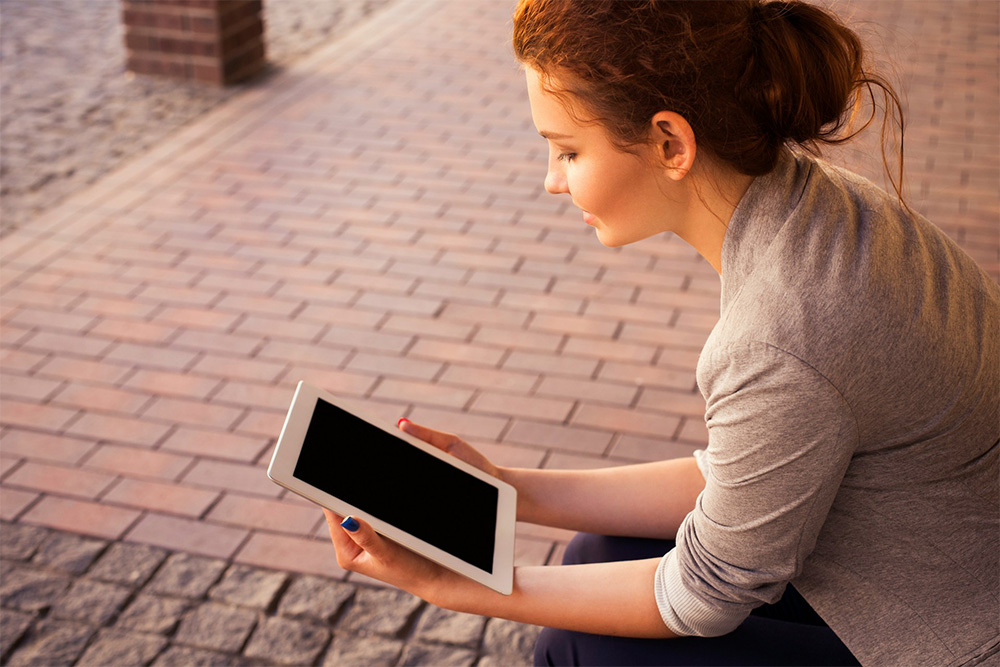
(585, 548)
(554, 647)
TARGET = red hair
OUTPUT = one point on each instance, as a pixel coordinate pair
(749, 76)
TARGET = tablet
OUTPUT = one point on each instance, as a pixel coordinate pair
(339, 457)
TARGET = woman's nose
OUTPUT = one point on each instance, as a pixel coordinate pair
(555, 182)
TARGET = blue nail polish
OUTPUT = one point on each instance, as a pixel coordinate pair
(351, 524)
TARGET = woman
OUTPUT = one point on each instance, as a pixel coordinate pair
(846, 506)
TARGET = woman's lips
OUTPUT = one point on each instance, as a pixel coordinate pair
(589, 218)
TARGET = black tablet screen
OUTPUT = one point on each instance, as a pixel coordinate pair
(400, 484)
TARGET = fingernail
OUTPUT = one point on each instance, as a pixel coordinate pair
(402, 421)
(351, 524)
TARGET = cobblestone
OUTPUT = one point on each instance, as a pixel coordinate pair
(439, 655)
(70, 553)
(362, 651)
(127, 563)
(90, 601)
(153, 613)
(283, 641)
(450, 627)
(184, 656)
(12, 626)
(315, 597)
(31, 590)
(185, 575)
(115, 647)
(217, 627)
(248, 587)
(52, 643)
(19, 541)
(381, 610)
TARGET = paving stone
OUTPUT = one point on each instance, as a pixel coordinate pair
(217, 627)
(450, 627)
(184, 575)
(115, 647)
(68, 552)
(248, 587)
(19, 541)
(52, 643)
(284, 641)
(128, 563)
(31, 590)
(362, 651)
(315, 597)
(384, 611)
(184, 656)
(90, 601)
(153, 613)
(438, 655)
(12, 626)
(507, 638)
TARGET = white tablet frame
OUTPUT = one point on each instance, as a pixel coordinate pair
(286, 454)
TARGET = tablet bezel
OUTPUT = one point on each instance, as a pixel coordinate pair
(286, 454)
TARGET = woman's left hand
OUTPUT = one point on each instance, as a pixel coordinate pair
(366, 552)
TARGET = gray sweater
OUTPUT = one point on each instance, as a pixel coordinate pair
(853, 408)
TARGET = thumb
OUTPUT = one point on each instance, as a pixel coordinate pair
(364, 536)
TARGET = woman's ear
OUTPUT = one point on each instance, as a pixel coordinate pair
(674, 139)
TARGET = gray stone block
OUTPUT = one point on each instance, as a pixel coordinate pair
(153, 613)
(362, 651)
(183, 656)
(315, 597)
(31, 590)
(450, 627)
(115, 647)
(184, 575)
(216, 627)
(248, 587)
(12, 626)
(52, 643)
(68, 552)
(90, 601)
(19, 541)
(383, 611)
(127, 563)
(507, 638)
(284, 641)
(439, 655)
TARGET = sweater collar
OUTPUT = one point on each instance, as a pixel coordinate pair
(758, 217)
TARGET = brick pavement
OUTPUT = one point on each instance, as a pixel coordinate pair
(372, 221)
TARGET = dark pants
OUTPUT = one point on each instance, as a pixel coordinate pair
(788, 632)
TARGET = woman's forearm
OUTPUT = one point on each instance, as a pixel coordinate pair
(643, 500)
(600, 598)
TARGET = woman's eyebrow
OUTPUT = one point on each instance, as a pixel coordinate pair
(553, 135)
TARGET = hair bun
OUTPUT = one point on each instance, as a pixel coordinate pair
(803, 69)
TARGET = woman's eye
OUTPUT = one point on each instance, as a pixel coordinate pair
(567, 157)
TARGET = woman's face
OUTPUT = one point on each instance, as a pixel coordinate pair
(623, 196)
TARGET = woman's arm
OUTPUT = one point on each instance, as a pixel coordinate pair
(602, 598)
(642, 500)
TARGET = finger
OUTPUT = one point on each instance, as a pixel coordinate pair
(362, 534)
(340, 540)
(439, 439)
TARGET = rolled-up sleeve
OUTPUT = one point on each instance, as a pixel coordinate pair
(780, 440)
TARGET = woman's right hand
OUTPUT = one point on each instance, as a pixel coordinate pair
(451, 444)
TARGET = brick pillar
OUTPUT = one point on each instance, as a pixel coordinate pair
(211, 41)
